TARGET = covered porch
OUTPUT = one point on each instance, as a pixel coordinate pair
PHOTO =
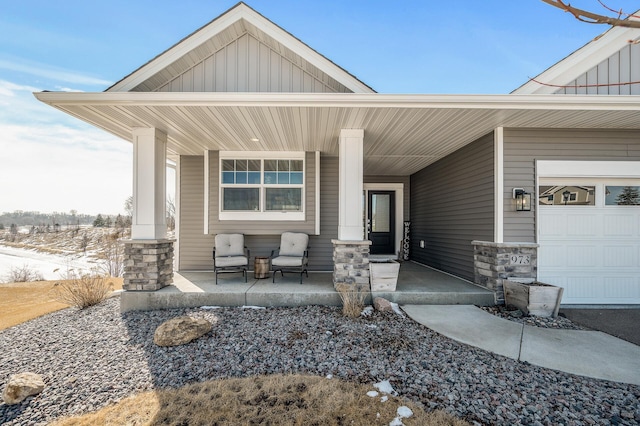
(417, 284)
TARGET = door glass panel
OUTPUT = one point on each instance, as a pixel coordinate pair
(622, 196)
(567, 195)
(380, 217)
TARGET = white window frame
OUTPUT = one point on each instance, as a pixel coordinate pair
(262, 215)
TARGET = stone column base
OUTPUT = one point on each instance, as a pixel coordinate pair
(148, 264)
(351, 265)
(496, 262)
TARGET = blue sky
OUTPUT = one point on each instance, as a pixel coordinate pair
(52, 162)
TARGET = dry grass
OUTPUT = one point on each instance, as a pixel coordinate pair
(265, 400)
(352, 302)
(84, 291)
(20, 302)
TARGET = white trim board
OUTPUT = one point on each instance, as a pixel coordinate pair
(617, 169)
(399, 190)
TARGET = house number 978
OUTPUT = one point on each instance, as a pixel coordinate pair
(520, 259)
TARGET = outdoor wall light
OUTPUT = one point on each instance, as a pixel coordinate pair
(523, 200)
(565, 196)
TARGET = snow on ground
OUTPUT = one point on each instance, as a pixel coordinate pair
(46, 264)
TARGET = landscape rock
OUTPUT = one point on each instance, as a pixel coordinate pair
(180, 330)
(382, 305)
(22, 385)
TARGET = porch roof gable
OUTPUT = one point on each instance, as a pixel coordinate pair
(581, 61)
(240, 19)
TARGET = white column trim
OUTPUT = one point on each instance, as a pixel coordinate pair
(176, 246)
(149, 220)
(317, 230)
(207, 179)
(351, 157)
(498, 173)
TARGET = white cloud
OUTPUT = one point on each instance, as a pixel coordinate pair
(52, 73)
(53, 162)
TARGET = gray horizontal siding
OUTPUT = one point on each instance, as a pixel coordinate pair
(195, 246)
(452, 203)
(522, 147)
(603, 79)
(248, 65)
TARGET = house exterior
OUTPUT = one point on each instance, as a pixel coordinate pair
(270, 136)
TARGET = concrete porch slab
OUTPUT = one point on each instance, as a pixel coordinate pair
(417, 284)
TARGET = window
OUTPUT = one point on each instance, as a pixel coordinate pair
(566, 195)
(622, 195)
(262, 189)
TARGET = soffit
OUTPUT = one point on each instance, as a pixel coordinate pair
(403, 133)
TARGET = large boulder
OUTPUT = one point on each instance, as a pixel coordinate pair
(21, 386)
(180, 330)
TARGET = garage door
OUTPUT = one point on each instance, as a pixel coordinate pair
(589, 236)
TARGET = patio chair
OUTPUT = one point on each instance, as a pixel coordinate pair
(230, 255)
(292, 255)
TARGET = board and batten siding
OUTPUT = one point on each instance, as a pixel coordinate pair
(621, 67)
(522, 147)
(452, 204)
(248, 65)
(195, 245)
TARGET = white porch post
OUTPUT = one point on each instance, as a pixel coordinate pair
(149, 220)
(351, 152)
(148, 254)
(350, 250)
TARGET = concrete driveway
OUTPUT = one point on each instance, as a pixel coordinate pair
(619, 322)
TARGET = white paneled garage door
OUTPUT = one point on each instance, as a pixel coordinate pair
(589, 236)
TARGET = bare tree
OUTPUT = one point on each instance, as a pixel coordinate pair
(621, 20)
(171, 213)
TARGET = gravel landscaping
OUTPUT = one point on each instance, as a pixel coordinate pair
(97, 356)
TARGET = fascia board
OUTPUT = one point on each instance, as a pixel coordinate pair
(505, 102)
(580, 61)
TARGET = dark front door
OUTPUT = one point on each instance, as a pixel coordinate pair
(381, 221)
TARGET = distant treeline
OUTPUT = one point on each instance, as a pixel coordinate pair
(22, 218)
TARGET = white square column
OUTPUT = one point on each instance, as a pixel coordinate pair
(149, 220)
(351, 152)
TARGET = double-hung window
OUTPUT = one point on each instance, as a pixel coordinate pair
(268, 188)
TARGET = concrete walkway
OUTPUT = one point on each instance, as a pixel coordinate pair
(585, 353)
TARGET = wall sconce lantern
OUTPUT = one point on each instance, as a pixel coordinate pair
(523, 200)
(565, 196)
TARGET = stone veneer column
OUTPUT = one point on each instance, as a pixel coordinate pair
(148, 264)
(351, 265)
(496, 262)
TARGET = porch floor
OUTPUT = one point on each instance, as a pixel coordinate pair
(417, 285)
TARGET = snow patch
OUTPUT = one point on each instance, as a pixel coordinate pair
(372, 394)
(385, 387)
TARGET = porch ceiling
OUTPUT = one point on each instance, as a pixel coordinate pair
(403, 133)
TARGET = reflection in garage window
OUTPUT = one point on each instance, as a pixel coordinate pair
(566, 195)
(622, 196)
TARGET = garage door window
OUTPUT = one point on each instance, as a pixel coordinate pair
(622, 195)
(567, 195)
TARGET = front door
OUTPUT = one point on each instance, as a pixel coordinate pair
(381, 223)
